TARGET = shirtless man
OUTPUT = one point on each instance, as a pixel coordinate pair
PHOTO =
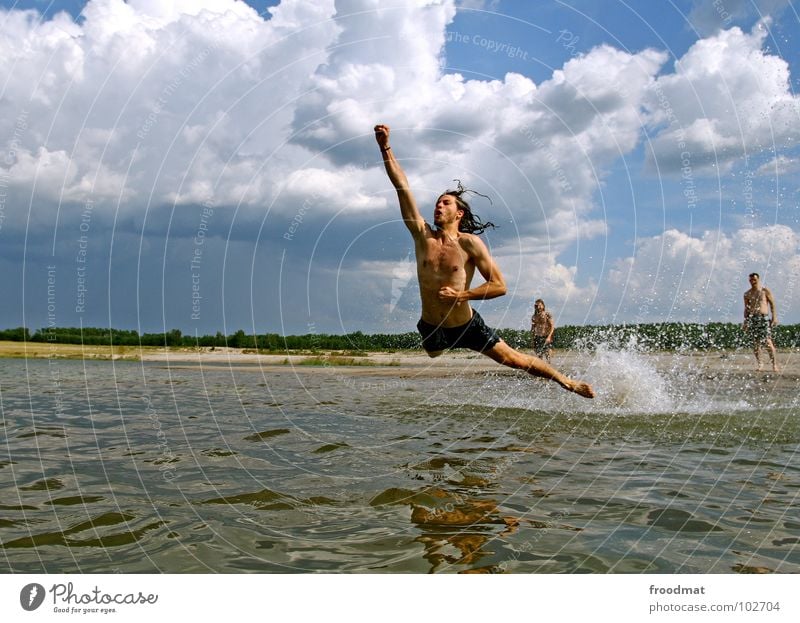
(446, 261)
(758, 302)
(542, 329)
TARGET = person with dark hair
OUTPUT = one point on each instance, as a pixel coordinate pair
(542, 329)
(447, 258)
(470, 223)
(758, 302)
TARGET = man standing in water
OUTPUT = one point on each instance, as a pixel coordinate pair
(758, 302)
(446, 261)
(542, 329)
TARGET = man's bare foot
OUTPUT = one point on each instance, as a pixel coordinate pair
(580, 388)
(775, 367)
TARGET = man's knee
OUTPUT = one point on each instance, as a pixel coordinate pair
(509, 357)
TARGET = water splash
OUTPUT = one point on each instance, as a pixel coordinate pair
(627, 379)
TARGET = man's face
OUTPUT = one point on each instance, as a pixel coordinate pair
(446, 211)
(753, 280)
(539, 307)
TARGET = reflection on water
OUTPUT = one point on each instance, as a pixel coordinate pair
(144, 468)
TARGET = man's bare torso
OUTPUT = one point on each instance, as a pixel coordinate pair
(756, 301)
(443, 262)
(542, 323)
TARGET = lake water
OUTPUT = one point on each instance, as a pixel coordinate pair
(677, 467)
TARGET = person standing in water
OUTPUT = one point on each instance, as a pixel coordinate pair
(758, 303)
(542, 329)
(447, 258)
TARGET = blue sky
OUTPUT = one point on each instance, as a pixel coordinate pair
(209, 166)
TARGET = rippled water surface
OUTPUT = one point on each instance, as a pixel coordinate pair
(111, 466)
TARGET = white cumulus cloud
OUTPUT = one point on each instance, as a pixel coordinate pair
(150, 98)
(726, 99)
(677, 276)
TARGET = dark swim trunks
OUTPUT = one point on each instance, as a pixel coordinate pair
(541, 346)
(474, 335)
(758, 328)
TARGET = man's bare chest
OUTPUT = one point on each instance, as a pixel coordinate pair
(755, 298)
(443, 257)
(541, 321)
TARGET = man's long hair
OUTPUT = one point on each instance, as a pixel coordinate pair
(470, 223)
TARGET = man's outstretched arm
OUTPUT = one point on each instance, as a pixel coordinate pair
(408, 206)
(495, 284)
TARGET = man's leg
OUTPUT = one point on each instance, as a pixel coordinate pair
(502, 353)
(771, 350)
(540, 347)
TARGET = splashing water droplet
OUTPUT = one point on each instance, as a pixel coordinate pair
(628, 379)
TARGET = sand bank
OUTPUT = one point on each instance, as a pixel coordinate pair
(398, 363)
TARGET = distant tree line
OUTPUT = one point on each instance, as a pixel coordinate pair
(93, 336)
(647, 337)
(670, 336)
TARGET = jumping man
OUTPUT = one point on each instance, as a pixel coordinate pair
(446, 261)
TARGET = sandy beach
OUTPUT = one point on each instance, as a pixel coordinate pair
(398, 363)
